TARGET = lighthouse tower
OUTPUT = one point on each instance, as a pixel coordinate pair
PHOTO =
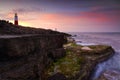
(16, 19)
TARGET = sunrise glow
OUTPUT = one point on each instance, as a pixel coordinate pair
(68, 16)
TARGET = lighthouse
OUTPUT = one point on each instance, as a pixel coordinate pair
(16, 19)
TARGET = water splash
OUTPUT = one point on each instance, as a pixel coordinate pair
(112, 63)
(112, 39)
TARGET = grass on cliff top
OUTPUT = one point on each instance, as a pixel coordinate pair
(69, 65)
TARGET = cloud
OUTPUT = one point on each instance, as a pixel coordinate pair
(105, 8)
(101, 17)
(64, 14)
(28, 10)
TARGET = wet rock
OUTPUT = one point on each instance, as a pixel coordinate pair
(110, 75)
(98, 54)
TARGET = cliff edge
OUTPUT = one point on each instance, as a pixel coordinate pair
(26, 52)
(7, 28)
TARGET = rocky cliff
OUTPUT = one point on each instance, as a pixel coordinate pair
(26, 52)
(38, 54)
(26, 57)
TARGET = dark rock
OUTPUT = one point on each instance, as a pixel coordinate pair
(22, 46)
(26, 57)
(56, 54)
(57, 76)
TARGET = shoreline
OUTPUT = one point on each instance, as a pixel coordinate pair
(92, 76)
(86, 66)
(107, 61)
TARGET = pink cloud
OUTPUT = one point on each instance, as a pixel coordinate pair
(100, 17)
(83, 20)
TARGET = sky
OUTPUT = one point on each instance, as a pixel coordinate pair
(64, 15)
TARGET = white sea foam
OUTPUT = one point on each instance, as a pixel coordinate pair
(86, 44)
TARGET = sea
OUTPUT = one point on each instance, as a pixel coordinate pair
(107, 38)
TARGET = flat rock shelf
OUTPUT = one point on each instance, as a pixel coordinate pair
(79, 63)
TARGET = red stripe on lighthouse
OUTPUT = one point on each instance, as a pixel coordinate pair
(16, 19)
(16, 22)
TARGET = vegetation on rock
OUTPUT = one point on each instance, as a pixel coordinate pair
(77, 61)
(68, 65)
